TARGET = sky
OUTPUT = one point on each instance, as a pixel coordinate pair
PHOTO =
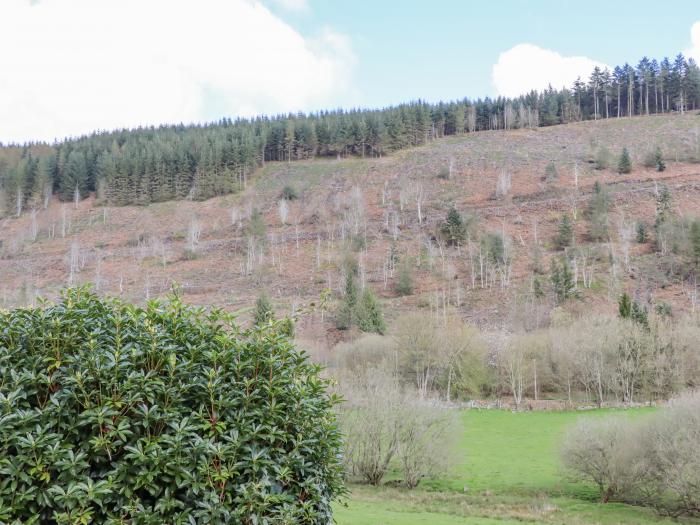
(69, 67)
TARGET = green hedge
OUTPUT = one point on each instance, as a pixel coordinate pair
(112, 413)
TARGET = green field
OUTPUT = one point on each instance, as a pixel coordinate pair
(506, 471)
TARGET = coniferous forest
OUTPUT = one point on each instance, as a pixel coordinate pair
(196, 161)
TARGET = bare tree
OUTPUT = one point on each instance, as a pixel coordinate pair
(503, 184)
(194, 231)
(419, 202)
(74, 264)
(33, 226)
(283, 209)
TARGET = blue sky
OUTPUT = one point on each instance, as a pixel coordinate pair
(445, 49)
(74, 66)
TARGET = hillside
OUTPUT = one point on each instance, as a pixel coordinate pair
(370, 207)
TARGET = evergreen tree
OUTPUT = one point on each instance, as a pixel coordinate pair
(550, 172)
(641, 232)
(565, 233)
(153, 164)
(695, 242)
(562, 280)
(256, 226)
(663, 207)
(624, 164)
(597, 213)
(404, 278)
(369, 315)
(347, 315)
(629, 309)
(453, 230)
(659, 160)
(624, 306)
(263, 310)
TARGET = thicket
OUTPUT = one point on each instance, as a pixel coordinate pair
(639, 356)
(112, 413)
(387, 426)
(653, 462)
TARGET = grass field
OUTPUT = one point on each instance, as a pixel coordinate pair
(507, 471)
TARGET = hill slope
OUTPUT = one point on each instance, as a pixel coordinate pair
(383, 210)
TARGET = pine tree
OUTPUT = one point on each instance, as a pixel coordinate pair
(597, 213)
(347, 314)
(404, 278)
(369, 314)
(695, 242)
(562, 280)
(641, 232)
(624, 306)
(263, 311)
(624, 164)
(550, 172)
(663, 207)
(256, 226)
(629, 309)
(659, 160)
(453, 230)
(565, 233)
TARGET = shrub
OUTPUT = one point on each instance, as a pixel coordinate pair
(111, 413)
(602, 159)
(669, 445)
(189, 255)
(550, 172)
(289, 193)
(388, 426)
(444, 173)
(654, 462)
(603, 452)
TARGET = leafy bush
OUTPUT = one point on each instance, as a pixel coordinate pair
(111, 413)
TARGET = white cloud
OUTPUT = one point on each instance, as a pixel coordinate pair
(73, 66)
(525, 67)
(694, 51)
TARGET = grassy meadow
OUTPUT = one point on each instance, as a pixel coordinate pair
(506, 471)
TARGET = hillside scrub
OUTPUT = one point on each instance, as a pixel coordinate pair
(654, 462)
(112, 413)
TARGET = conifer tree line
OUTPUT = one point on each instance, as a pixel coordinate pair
(154, 164)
